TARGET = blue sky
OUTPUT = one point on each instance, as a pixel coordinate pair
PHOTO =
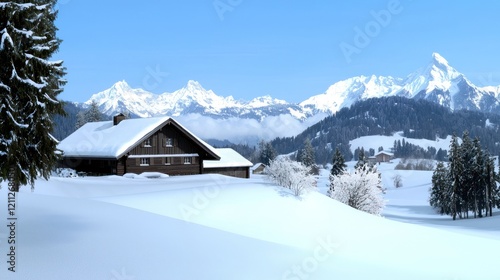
(287, 49)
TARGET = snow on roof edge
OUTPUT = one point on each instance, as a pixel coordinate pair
(228, 158)
(99, 139)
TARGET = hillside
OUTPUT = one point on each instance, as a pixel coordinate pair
(65, 125)
(416, 118)
(215, 227)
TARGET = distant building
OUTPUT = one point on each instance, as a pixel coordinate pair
(383, 156)
(258, 168)
(231, 163)
(146, 145)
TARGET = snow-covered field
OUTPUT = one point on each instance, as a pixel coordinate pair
(215, 227)
(387, 142)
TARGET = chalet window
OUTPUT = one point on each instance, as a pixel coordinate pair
(188, 160)
(169, 142)
(144, 161)
(147, 142)
(168, 161)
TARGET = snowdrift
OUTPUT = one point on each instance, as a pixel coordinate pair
(215, 227)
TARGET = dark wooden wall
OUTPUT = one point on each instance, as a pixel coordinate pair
(95, 167)
(181, 143)
(238, 172)
(177, 167)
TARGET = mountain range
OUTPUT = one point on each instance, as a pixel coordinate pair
(437, 82)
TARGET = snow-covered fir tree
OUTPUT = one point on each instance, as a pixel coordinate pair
(267, 152)
(361, 189)
(440, 190)
(338, 163)
(492, 192)
(362, 159)
(466, 158)
(92, 114)
(306, 155)
(29, 84)
(477, 189)
(80, 119)
(455, 171)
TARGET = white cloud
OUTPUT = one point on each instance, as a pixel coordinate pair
(249, 131)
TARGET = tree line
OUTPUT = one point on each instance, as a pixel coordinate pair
(417, 118)
(468, 183)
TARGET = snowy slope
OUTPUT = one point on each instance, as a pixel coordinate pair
(347, 92)
(387, 142)
(215, 227)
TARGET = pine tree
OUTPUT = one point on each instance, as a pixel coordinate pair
(267, 152)
(478, 182)
(80, 119)
(492, 192)
(29, 85)
(441, 155)
(306, 156)
(362, 160)
(471, 181)
(465, 189)
(338, 163)
(92, 114)
(455, 169)
(440, 190)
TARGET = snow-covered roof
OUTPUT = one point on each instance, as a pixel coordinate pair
(384, 152)
(228, 158)
(105, 140)
(257, 165)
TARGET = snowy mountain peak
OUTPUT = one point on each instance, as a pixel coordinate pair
(347, 92)
(439, 60)
(121, 85)
(264, 101)
(438, 75)
(437, 81)
(441, 69)
(194, 85)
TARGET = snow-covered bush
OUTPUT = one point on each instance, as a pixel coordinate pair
(360, 189)
(65, 173)
(415, 164)
(398, 181)
(291, 175)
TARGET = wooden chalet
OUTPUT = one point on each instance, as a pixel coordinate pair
(383, 156)
(145, 145)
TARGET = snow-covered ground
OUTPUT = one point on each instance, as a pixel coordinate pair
(216, 227)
